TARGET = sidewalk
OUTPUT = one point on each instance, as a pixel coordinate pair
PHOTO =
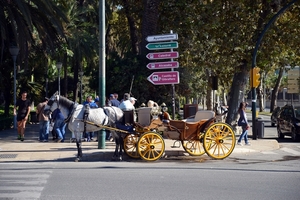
(31, 150)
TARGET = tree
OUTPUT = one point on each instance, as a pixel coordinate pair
(81, 39)
(30, 25)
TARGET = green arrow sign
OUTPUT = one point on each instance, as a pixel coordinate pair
(162, 45)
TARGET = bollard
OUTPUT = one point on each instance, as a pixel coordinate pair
(260, 127)
(101, 139)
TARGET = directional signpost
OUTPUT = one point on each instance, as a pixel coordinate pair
(163, 65)
(162, 55)
(293, 80)
(162, 45)
(164, 78)
(158, 38)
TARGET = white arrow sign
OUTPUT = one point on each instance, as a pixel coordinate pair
(164, 78)
(166, 37)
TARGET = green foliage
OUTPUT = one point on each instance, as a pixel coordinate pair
(215, 37)
(6, 123)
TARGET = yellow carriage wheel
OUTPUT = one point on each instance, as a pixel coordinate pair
(151, 146)
(130, 145)
(194, 147)
(219, 140)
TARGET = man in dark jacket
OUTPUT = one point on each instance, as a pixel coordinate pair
(113, 101)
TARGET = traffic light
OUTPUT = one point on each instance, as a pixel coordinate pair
(254, 77)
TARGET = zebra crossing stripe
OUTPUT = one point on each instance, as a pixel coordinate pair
(21, 195)
(23, 186)
(290, 151)
(27, 188)
(32, 176)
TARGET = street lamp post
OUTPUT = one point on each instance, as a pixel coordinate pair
(58, 66)
(81, 75)
(14, 51)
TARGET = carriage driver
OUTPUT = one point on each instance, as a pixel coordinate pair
(128, 104)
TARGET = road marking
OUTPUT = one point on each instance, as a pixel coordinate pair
(243, 150)
(17, 185)
(268, 152)
(290, 151)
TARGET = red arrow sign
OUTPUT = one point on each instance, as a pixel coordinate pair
(162, 55)
(163, 65)
(164, 78)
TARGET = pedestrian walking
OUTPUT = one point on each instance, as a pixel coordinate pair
(243, 122)
(22, 110)
(59, 125)
(43, 121)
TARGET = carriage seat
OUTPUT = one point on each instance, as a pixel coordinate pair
(128, 117)
(201, 115)
(144, 116)
(181, 130)
(128, 121)
(128, 128)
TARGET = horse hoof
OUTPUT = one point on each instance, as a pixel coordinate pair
(77, 159)
(116, 158)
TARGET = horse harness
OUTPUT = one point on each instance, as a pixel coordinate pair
(86, 114)
(72, 109)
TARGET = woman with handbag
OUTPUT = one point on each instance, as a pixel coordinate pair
(243, 122)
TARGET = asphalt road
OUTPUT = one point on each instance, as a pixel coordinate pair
(271, 174)
(150, 181)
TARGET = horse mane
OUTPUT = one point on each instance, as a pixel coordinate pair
(65, 102)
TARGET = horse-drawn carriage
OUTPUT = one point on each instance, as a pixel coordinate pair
(197, 135)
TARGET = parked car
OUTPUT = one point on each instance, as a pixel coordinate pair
(288, 122)
(274, 116)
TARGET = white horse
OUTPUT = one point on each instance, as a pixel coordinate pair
(75, 115)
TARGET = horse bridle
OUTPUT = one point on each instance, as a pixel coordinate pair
(51, 101)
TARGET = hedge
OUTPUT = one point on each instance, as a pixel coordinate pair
(6, 123)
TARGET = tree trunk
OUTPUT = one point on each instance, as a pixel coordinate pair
(236, 94)
(75, 87)
(150, 21)
(209, 97)
(65, 83)
(7, 81)
(276, 89)
(260, 97)
(7, 99)
(132, 28)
